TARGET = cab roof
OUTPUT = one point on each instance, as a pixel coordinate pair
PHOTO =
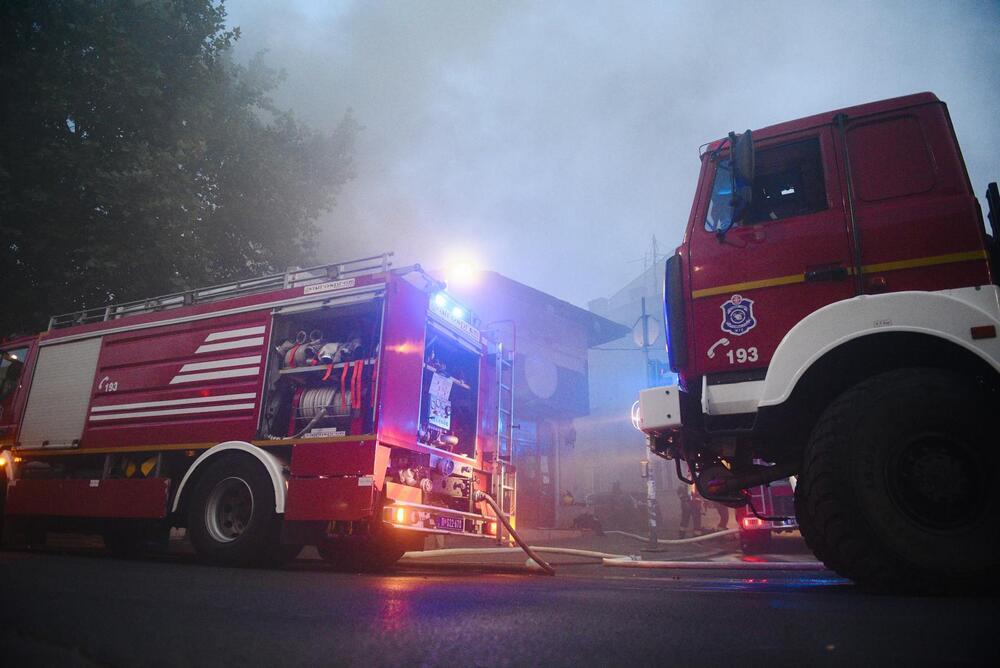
(827, 118)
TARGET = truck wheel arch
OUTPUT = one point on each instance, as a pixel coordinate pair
(847, 348)
(274, 466)
(945, 315)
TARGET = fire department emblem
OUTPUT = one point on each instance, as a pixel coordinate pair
(737, 315)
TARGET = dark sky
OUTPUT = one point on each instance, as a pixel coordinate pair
(551, 140)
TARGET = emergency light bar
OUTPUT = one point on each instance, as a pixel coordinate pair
(456, 315)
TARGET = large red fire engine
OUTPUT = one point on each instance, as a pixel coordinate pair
(833, 310)
(351, 406)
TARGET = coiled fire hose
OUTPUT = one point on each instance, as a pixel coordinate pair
(544, 565)
(320, 402)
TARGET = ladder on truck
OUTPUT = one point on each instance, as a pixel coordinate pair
(290, 278)
(504, 480)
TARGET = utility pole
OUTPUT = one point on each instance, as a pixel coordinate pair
(652, 256)
(647, 468)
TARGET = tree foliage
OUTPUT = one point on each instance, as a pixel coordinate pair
(137, 158)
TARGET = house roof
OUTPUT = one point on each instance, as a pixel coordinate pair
(599, 329)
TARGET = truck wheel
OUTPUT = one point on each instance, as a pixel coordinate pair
(755, 542)
(897, 482)
(231, 516)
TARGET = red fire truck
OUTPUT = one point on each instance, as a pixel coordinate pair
(769, 510)
(351, 406)
(833, 310)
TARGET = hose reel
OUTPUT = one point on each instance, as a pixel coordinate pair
(313, 401)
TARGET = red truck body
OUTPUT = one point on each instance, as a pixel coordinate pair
(833, 310)
(770, 509)
(165, 383)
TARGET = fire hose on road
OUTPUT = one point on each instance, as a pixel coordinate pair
(532, 551)
(591, 554)
(679, 541)
(720, 565)
(612, 560)
(483, 496)
(474, 551)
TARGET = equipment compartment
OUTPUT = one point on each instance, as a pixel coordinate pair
(450, 392)
(321, 371)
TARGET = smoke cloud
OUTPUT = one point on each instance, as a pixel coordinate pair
(551, 141)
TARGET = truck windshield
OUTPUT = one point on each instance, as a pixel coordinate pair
(11, 364)
(720, 208)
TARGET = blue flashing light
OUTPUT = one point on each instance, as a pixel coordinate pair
(457, 312)
(440, 300)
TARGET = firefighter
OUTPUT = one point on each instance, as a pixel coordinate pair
(690, 510)
(723, 516)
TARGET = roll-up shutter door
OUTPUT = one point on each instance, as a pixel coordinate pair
(60, 393)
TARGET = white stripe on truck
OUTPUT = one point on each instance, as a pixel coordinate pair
(173, 402)
(221, 364)
(234, 333)
(172, 411)
(214, 375)
(229, 345)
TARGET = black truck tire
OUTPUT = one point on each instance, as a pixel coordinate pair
(231, 516)
(898, 479)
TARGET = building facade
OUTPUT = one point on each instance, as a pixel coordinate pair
(609, 448)
(551, 340)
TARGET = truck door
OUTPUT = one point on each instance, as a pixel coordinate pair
(787, 257)
(917, 217)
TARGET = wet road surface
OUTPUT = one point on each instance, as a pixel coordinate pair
(80, 607)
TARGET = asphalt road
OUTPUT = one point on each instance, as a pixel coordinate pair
(83, 608)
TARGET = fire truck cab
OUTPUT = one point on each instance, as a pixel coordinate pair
(351, 406)
(833, 311)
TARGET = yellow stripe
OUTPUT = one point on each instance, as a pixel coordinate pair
(749, 285)
(930, 261)
(925, 261)
(45, 452)
(181, 446)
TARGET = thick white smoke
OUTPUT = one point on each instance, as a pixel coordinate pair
(553, 139)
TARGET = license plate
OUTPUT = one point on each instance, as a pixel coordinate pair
(451, 523)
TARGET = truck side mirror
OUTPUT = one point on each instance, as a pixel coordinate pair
(742, 154)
